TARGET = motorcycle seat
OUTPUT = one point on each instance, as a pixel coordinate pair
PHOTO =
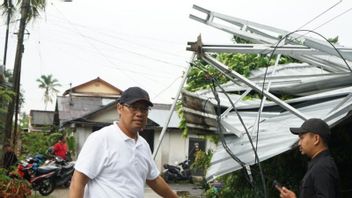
(68, 166)
(46, 169)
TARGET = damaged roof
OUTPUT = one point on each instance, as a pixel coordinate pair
(320, 87)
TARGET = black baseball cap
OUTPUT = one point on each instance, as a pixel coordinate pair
(134, 94)
(313, 125)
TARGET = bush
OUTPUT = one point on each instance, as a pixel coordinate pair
(12, 187)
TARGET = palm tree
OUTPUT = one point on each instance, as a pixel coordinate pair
(49, 84)
(29, 10)
(8, 11)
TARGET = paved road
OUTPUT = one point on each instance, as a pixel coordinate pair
(190, 189)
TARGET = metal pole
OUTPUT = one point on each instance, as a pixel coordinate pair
(232, 75)
(162, 134)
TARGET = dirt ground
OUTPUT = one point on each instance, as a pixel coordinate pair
(185, 190)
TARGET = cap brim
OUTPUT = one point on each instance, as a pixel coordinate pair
(297, 131)
(140, 99)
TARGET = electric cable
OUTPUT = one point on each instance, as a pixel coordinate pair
(333, 18)
(247, 133)
(320, 14)
(167, 87)
(272, 54)
(130, 51)
(266, 70)
(262, 93)
(265, 74)
(119, 61)
(218, 112)
(291, 40)
(91, 28)
(222, 138)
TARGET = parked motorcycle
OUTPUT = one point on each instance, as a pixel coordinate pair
(45, 178)
(177, 172)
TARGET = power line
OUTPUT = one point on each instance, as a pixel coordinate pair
(328, 21)
(130, 51)
(124, 69)
(320, 14)
(135, 43)
(167, 87)
(123, 33)
(122, 61)
(94, 47)
(136, 53)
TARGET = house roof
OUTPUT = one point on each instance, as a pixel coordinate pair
(73, 107)
(80, 104)
(85, 99)
(94, 87)
(157, 115)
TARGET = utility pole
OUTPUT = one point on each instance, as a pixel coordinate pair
(14, 104)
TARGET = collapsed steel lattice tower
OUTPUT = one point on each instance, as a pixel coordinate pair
(320, 86)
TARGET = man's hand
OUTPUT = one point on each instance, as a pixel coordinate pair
(286, 193)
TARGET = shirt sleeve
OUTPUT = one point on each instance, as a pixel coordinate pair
(92, 157)
(153, 170)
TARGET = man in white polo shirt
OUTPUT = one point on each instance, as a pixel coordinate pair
(116, 161)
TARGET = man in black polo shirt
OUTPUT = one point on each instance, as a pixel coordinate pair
(322, 178)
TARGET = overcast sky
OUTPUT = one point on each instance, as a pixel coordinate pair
(142, 43)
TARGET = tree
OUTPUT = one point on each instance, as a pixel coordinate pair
(8, 11)
(29, 10)
(49, 84)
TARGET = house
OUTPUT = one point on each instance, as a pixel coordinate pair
(92, 105)
(40, 120)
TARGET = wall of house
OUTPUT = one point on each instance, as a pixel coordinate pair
(97, 87)
(81, 135)
(108, 116)
(174, 147)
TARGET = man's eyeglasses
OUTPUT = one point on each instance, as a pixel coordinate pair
(135, 108)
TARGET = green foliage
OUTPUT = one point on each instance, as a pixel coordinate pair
(288, 168)
(183, 123)
(38, 143)
(244, 63)
(71, 142)
(5, 97)
(199, 76)
(49, 84)
(236, 184)
(12, 187)
(237, 39)
(24, 120)
(334, 40)
(202, 160)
